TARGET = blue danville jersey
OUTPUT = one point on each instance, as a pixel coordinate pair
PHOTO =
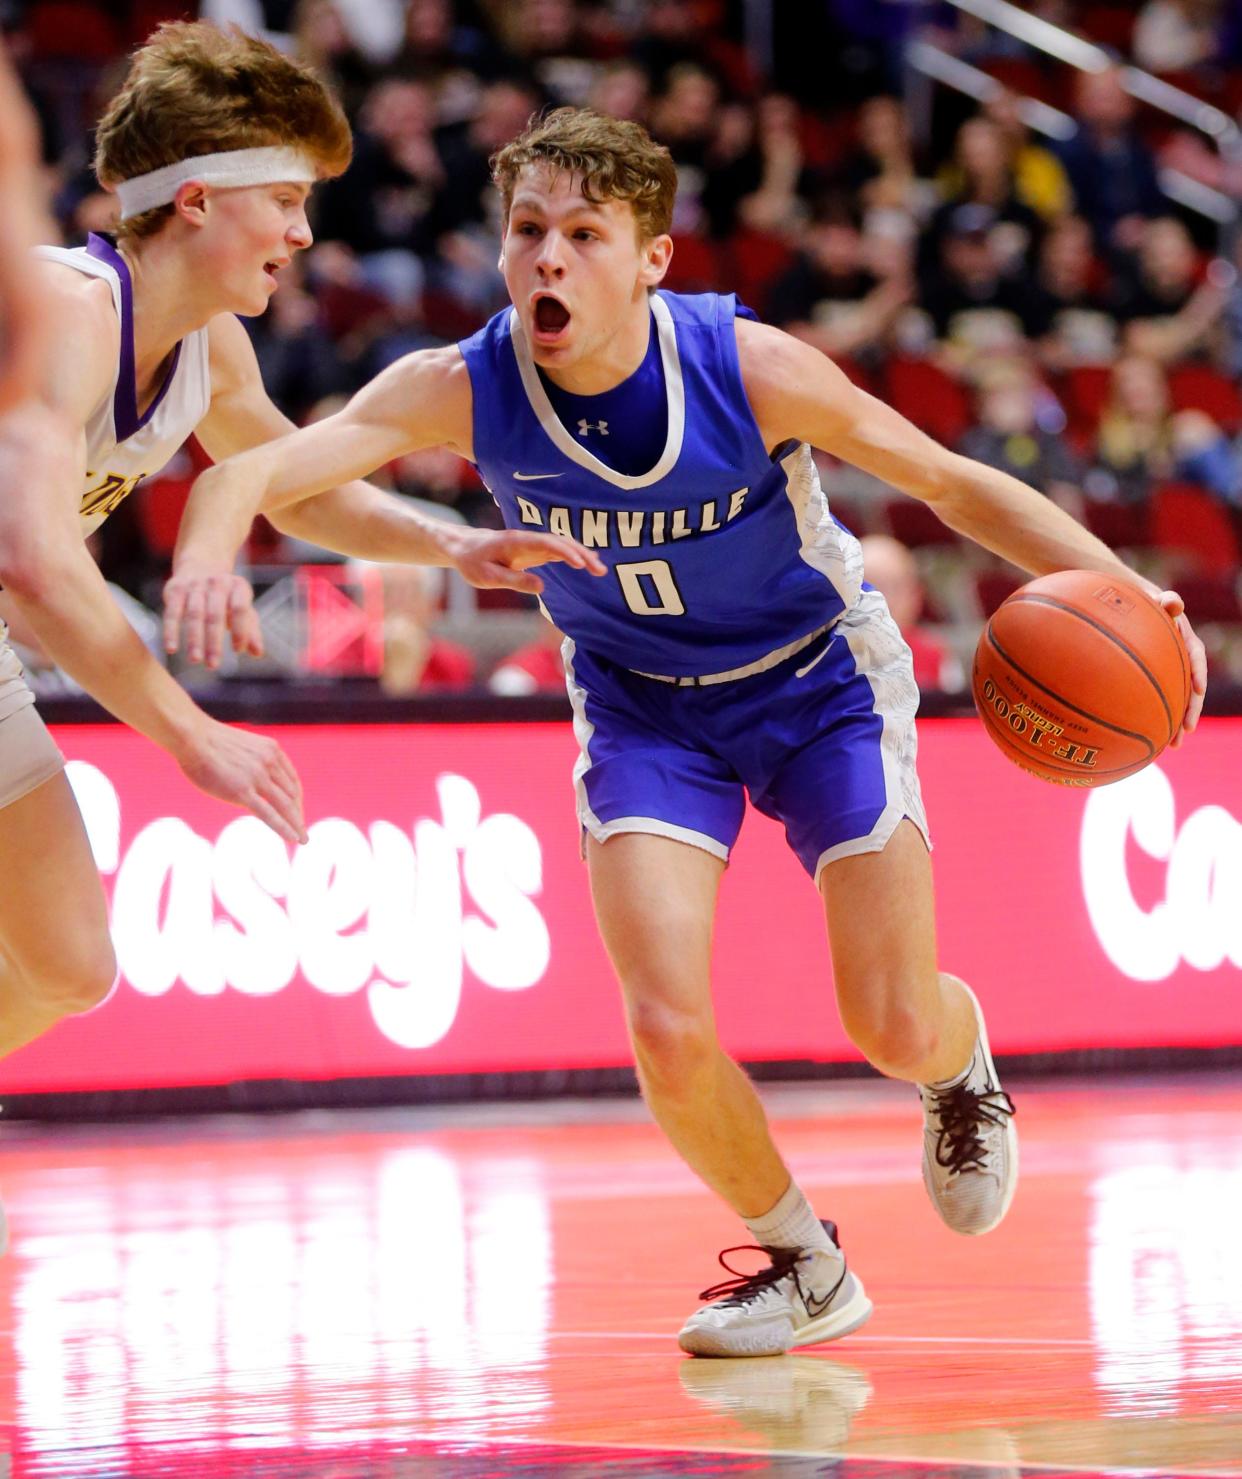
(718, 555)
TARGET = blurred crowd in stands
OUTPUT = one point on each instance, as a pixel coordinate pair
(1039, 303)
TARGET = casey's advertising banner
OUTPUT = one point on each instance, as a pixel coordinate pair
(439, 919)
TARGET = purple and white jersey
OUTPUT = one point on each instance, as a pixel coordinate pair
(123, 447)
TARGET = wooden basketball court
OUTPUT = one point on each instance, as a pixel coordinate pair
(497, 1290)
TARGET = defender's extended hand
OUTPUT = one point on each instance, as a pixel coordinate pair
(200, 605)
(503, 557)
(250, 771)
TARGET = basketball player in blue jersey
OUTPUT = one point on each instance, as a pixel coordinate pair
(212, 145)
(731, 648)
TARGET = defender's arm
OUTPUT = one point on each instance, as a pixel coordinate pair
(308, 483)
(57, 587)
(796, 393)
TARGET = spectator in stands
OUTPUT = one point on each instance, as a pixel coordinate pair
(982, 175)
(382, 206)
(1039, 178)
(1019, 431)
(891, 568)
(775, 203)
(1142, 441)
(464, 199)
(297, 358)
(416, 660)
(1110, 170)
(549, 39)
(973, 302)
(1167, 311)
(536, 667)
(1176, 35)
(441, 481)
(623, 90)
(323, 39)
(881, 170)
(830, 296)
(449, 54)
(1078, 325)
(685, 118)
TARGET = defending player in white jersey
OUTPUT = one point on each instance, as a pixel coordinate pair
(212, 145)
(732, 649)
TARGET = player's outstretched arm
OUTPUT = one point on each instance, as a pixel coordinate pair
(798, 393)
(308, 483)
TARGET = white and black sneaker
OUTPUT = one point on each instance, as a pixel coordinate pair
(970, 1145)
(804, 1296)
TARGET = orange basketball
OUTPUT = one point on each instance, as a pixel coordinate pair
(1081, 678)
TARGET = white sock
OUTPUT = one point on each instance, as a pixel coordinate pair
(790, 1224)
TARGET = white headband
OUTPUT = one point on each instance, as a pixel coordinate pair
(234, 167)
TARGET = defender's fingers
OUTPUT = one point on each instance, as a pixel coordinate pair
(246, 632)
(215, 621)
(285, 779)
(192, 623)
(174, 608)
(276, 818)
(288, 805)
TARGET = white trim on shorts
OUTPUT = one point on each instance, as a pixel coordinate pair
(883, 658)
(602, 831)
(763, 664)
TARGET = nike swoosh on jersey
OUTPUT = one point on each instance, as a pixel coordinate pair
(534, 477)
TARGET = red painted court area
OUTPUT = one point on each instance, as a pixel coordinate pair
(496, 1291)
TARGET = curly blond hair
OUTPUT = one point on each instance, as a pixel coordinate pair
(614, 158)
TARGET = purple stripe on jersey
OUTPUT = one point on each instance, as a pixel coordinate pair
(125, 418)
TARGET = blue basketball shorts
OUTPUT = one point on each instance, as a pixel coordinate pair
(823, 740)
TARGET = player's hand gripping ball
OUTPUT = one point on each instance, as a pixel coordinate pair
(1081, 678)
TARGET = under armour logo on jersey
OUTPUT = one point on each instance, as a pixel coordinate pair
(585, 426)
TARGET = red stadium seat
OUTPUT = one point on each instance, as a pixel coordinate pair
(71, 29)
(146, 15)
(1110, 25)
(694, 268)
(755, 260)
(1188, 522)
(1211, 598)
(1118, 525)
(1200, 388)
(1025, 78)
(914, 524)
(1084, 391)
(992, 587)
(934, 401)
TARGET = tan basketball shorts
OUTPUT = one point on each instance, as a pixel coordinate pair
(28, 753)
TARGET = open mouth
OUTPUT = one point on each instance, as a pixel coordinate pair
(271, 268)
(551, 318)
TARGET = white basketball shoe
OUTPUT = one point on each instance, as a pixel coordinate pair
(804, 1296)
(970, 1146)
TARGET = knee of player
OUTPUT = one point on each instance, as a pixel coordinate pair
(891, 1036)
(670, 1042)
(76, 983)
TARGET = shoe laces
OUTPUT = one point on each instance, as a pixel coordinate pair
(742, 1288)
(965, 1116)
